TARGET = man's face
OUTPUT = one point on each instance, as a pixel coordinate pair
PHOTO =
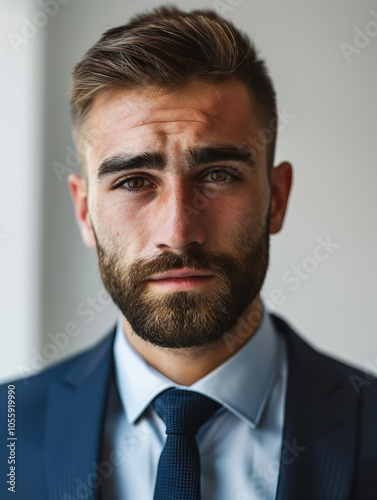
(178, 184)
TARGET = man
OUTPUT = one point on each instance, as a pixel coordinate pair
(197, 392)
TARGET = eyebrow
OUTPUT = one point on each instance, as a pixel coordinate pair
(202, 155)
(123, 162)
(196, 156)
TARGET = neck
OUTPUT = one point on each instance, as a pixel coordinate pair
(187, 365)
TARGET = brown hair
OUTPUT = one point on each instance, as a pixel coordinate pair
(167, 48)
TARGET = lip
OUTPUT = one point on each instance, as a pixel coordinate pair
(184, 272)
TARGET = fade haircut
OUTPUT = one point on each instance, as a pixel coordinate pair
(167, 48)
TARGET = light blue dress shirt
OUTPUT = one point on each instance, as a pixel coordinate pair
(239, 446)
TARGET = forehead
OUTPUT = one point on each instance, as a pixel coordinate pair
(137, 120)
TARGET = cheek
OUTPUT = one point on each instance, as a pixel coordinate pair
(246, 205)
(122, 227)
(229, 220)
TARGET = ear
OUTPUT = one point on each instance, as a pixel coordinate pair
(281, 181)
(79, 193)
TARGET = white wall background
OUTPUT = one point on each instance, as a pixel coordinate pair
(21, 131)
(49, 280)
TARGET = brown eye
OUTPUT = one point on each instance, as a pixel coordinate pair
(135, 182)
(218, 176)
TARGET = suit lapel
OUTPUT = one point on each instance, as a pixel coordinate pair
(74, 425)
(320, 427)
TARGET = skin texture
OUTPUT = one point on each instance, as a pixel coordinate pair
(181, 216)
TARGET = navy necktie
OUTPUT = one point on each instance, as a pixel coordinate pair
(184, 412)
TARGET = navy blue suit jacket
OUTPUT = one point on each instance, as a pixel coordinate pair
(329, 441)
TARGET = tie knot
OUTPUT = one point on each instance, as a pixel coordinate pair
(184, 412)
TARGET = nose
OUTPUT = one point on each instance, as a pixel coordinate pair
(179, 220)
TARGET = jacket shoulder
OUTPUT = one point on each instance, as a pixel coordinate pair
(347, 393)
(32, 389)
(39, 406)
(308, 356)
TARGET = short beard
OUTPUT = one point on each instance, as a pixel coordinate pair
(192, 318)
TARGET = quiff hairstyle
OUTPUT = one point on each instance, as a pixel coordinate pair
(166, 48)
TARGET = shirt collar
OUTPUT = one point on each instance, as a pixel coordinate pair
(242, 384)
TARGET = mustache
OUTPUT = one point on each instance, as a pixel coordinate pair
(196, 259)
